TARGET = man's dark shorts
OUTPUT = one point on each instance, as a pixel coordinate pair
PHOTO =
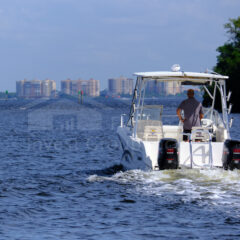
(185, 137)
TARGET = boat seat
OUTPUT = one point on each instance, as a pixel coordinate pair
(200, 134)
(152, 133)
(150, 130)
(171, 131)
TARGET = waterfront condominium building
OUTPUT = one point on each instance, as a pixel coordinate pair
(155, 88)
(48, 88)
(66, 86)
(173, 88)
(121, 85)
(89, 87)
(36, 88)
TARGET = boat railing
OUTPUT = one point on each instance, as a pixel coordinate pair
(213, 115)
(200, 135)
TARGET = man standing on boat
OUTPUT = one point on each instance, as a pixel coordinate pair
(193, 113)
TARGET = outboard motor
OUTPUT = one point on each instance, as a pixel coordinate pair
(168, 154)
(231, 154)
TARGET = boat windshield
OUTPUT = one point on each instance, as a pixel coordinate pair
(150, 113)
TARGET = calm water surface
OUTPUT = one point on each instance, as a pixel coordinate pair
(60, 178)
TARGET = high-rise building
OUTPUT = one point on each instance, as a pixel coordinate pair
(120, 85)
(89, 87)
(48, 88)
(155, 88)
(112, 86)
(93, 87)
(173, 88)
(19, 88)
(36, 88)
(66, 86)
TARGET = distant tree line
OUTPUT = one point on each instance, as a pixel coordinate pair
(228, 63)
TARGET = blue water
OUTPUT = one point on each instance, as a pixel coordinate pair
(60, 178)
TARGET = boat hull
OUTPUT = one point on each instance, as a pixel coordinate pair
(144, 155)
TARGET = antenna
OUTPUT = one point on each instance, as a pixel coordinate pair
(175, 67)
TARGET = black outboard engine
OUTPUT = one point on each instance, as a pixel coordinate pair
(231, 154)
(168, 154)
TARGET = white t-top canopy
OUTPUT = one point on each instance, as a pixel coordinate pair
(184, 77)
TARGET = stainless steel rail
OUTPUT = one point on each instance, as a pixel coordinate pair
(210, 146)
(191, 148)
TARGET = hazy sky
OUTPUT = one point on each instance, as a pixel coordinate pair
(100, 39)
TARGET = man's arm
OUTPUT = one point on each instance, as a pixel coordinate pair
(179, 114)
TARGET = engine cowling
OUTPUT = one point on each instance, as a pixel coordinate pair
(231, 154)
(168, 154)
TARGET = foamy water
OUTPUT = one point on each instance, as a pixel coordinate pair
(206, 186)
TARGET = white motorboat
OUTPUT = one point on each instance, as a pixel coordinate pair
(150, 144)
